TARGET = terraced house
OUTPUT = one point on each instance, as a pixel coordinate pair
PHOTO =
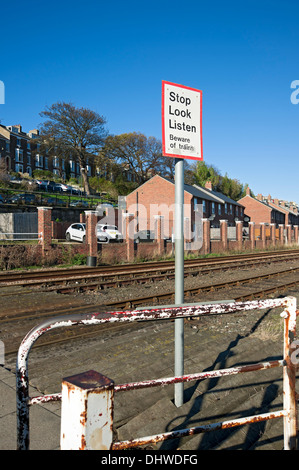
(23, 154)
(157, 197)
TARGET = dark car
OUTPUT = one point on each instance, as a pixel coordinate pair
(144, 236)
(79, 204)
(53, 201)
(22, 199)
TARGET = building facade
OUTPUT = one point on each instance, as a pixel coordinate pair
(156, 197)
(22, 153)
(263, 210)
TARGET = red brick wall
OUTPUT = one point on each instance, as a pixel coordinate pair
(156, 197)
(257, 211)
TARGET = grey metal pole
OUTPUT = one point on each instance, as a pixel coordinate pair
(179, 277)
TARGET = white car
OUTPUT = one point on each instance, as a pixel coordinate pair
(107, 233)
(76, 232)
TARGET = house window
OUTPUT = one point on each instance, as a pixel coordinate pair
(72, 166)
(46, 163)
(219, 209)
(213, 207)
(19, 142)
(225, 208)
(19, 155)
(19, 168)
(56, 162)
(39, 161)
(204, 206)
(7, 146)
(230, 209)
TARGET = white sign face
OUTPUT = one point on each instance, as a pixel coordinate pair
(181, 121)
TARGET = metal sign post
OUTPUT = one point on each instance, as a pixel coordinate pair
(181, 138)
(179, 277)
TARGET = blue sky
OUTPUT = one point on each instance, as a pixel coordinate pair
(112, 57)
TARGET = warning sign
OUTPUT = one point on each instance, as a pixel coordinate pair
(181, 121)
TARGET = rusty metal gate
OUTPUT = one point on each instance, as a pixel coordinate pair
(103, 387)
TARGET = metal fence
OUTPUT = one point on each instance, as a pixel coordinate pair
(76, 432)
(20, 236)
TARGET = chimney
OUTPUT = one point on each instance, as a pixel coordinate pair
(34, 131)
(276, 202)
(208, 185)
(247, 191)
(259, 197)
(269, 198)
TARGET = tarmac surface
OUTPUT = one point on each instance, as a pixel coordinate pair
(148, 353)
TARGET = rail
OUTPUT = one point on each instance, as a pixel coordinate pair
(288, 413)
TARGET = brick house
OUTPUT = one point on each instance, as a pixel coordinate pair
(157, 197)
(23, 154)
(290, 210)
(260, 211)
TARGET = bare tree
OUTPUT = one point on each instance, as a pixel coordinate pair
(78, 132)
(140, 154)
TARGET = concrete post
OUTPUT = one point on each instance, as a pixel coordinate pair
(129, 233)
(87, 412)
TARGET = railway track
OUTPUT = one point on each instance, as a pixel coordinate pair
(117, 276)
(191, 295)
(287, 279)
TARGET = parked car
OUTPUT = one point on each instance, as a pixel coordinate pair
(108, 233)
(79, 204)
(53, 201)
(105, 233)
(75, 191)
(76, 232)
(22, 198)
(41, 185)
(63, 187)
(144, 236)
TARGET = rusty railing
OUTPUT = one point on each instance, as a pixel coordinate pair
(76, 435)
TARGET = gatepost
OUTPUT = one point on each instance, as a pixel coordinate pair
(44, 215)
(223, 231)
(252, 234)
(91, 238)
(129, 232)
(159, 233)
(273, 235)
(239, 233)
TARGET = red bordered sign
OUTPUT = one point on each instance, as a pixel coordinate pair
(181, 121)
